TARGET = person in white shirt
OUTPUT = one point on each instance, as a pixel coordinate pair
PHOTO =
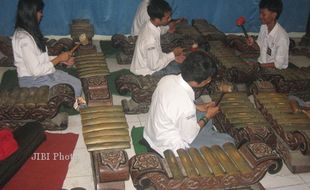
(172, 122)
(148, 58)
(142, 17)
(273, 40)
(34, 67)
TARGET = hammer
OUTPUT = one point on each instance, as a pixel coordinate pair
(240, 22)
(297, 109)
(83, 41)
(224, 88)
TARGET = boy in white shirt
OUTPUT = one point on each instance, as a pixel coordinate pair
(172, 120)
(273, 40)
(148, 58)
(142, 17)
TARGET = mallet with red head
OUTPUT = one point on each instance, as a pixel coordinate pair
(240, 22)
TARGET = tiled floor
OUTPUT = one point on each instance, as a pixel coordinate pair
(80, 172)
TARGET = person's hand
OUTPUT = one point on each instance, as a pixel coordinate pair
(180, 59)
(204, 107)
(172, 27)
(212, 111)
(249, 41)
(70, 61)
(179, 20)
(65, 56)
(178, 51)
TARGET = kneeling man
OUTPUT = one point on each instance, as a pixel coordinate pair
(172, 122)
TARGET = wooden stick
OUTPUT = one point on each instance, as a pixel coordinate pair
(220, 99)
(75, 47)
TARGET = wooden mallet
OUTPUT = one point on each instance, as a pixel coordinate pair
(224, 88)
(240, 22)
(298, 109)
(83, 41)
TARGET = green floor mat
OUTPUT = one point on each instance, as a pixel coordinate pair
(10, 81)
(111, 81)
(107, 49)
(136, 136)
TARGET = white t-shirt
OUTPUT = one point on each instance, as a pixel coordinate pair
(148, 56)
(274, 47)
(143, 17)
(172, 122)
(28, 58)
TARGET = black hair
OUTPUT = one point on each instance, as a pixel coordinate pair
(26, 18)
(197, 67)
(272, 5)
(158, 8)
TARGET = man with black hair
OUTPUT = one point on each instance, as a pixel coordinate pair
(273, 40)
(172, 122)
(142, 17)
(148, 58)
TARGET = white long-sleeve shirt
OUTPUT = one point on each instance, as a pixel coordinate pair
(28, 58)
(148, 56)
(172, 122)
(274, 47)
(143, 17)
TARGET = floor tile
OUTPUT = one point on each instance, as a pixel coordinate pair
(85, 181)
(114, 66)
(143, 119)
(133, 124)
(305, 177)
(132, 118)
(129, 185)
(274, 181)
(293, 187)
(80, 164)
(118, 99)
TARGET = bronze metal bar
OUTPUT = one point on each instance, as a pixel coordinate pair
(107, 138)
(104, 126)
(213, 163)
(173, 165)
(107, 132)
(101, 109)
(236, 157)
(108, 146)
(187, 163)
(101, 120)
(199, 162)
(224, 160)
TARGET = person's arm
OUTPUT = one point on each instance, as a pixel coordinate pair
(204, 106)
(281, 54)
(63, 57)
(212, 110)
(31, 60)
(157, 60)
(188, 127)
(164, 29)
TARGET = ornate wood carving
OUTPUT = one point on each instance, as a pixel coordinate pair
(239, 43)
(276, 109)
(111, 165)
(231, 67)
(241, 120)
(93, 71)
(34, 103)
(287, 80)
(150, 171)
(207, 30)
